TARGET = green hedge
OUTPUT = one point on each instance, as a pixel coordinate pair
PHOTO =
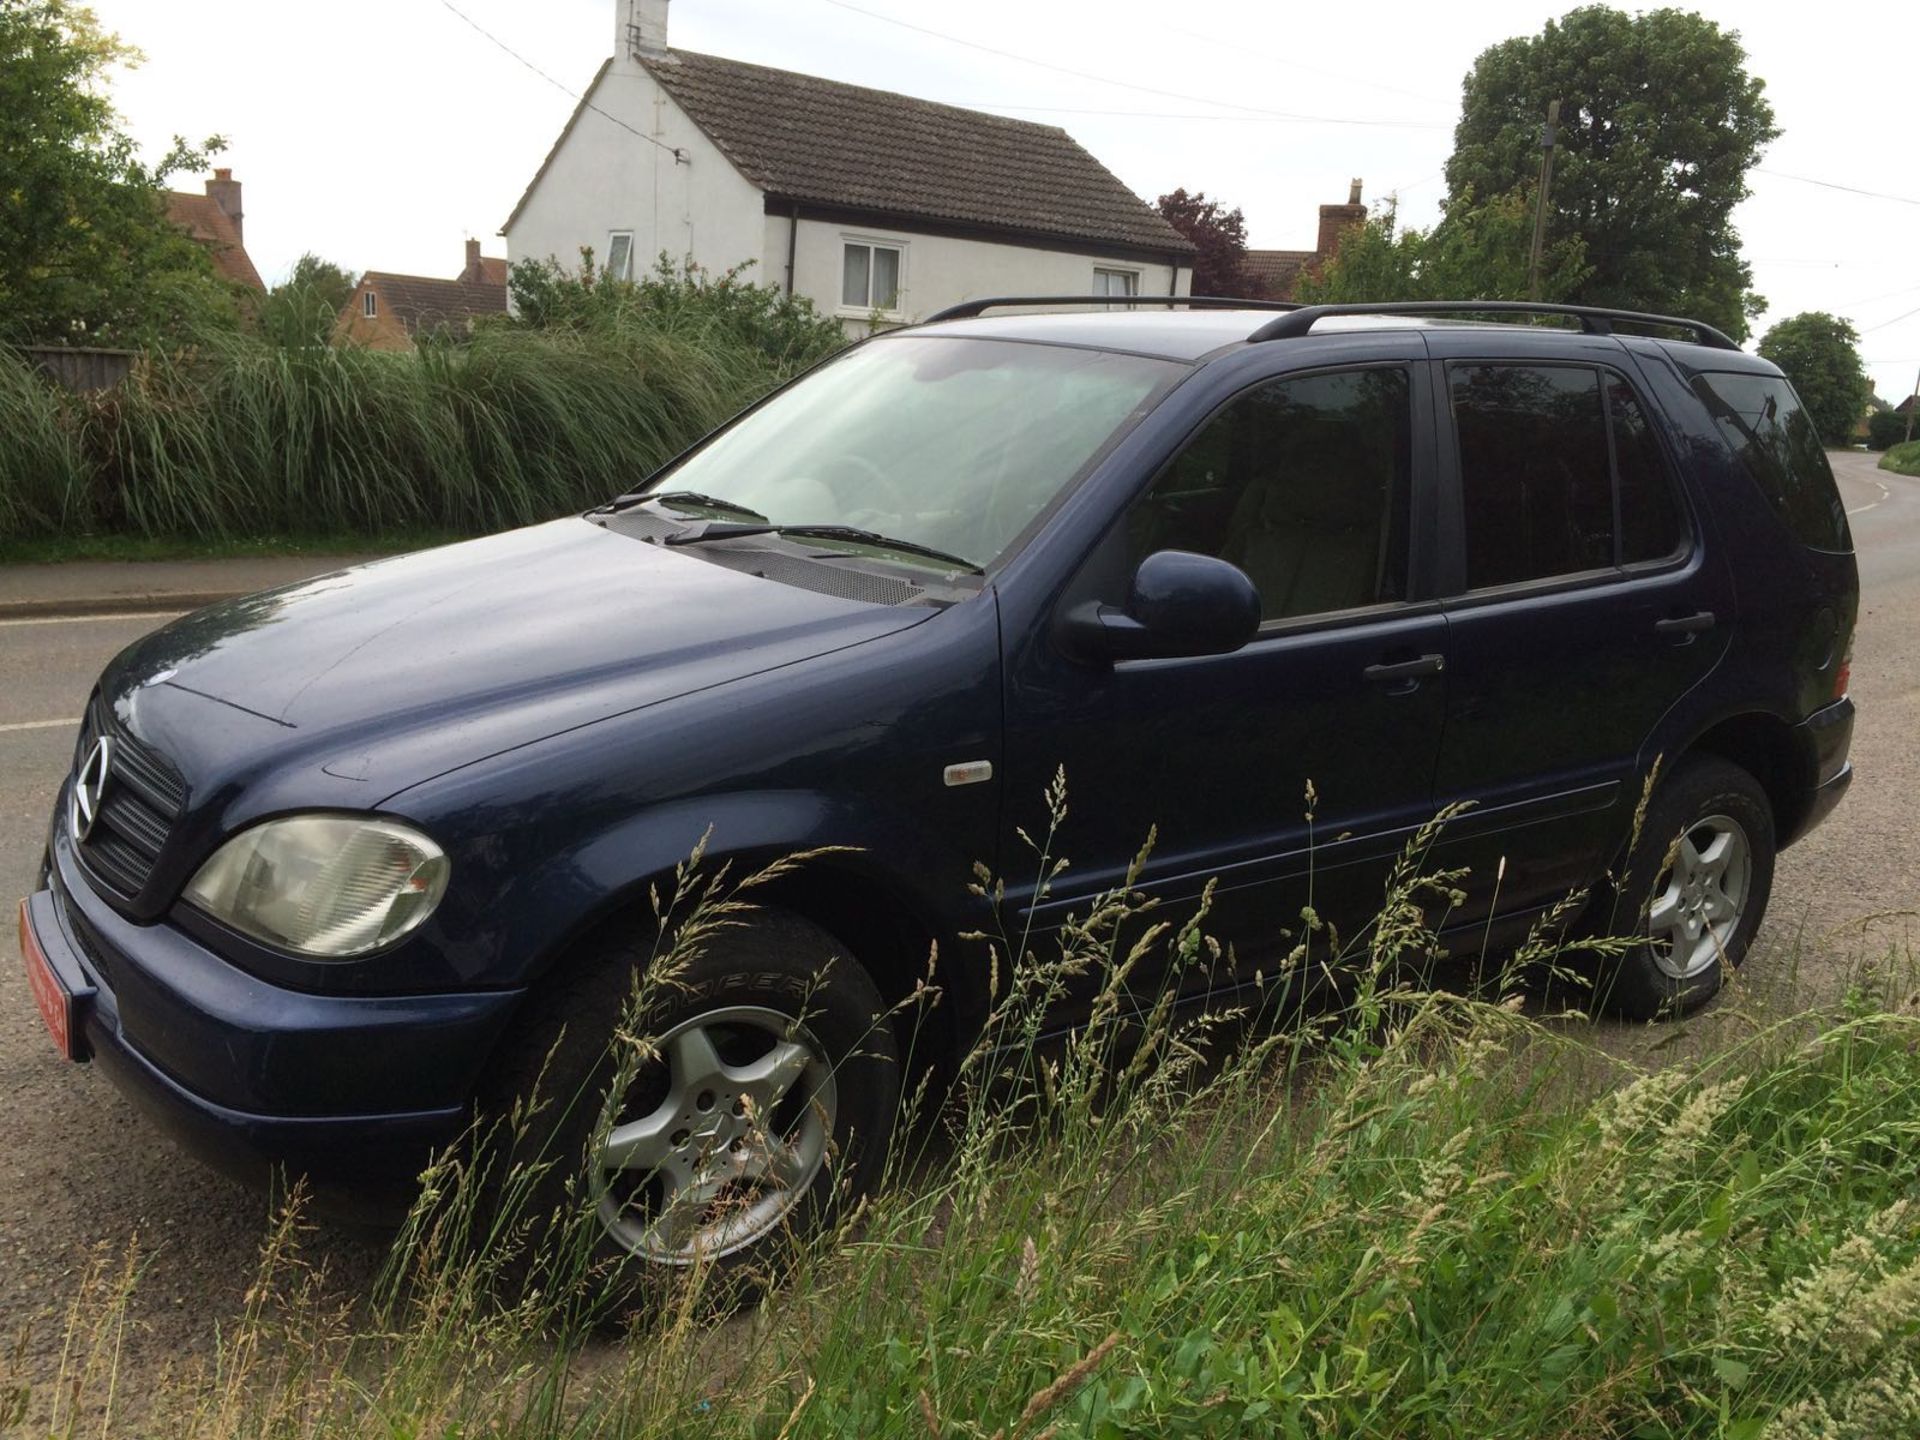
(1902, 459)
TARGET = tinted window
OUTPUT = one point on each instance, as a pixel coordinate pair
(1762, 419)
(1649, 514)
(1533, 471)
(1303, 484)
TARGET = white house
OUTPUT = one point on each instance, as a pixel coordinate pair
(865, 201)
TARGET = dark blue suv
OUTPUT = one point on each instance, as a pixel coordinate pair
(338, 862)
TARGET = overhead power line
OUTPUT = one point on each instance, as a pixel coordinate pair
(1834, 185)
(674, 151)
(1238, 49)
(1895, 321)
(1106, 79)
(1276, 118)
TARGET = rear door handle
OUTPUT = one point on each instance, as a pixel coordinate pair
(1685, 624)
(1405, 674)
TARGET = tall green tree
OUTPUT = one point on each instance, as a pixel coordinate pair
(86, 252)
(1475, 252)
(1820, 354)
(1659, 124)
(303, 308)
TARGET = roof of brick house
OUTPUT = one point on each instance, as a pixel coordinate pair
(207, 220)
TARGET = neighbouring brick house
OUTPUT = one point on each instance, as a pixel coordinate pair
(1276, 270)
(215, 219)
(388, 311)
(870, 203)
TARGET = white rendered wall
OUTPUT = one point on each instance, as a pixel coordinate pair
(605, 178)
(939, 270)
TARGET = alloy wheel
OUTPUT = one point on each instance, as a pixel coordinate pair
(719, 1138)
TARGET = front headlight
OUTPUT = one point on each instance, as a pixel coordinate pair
(323, 885)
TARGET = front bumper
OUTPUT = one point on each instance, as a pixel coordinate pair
(355, 1093)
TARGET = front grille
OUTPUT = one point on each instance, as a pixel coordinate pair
(143, 798)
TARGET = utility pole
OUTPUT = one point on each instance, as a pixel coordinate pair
(1913, 408)
(1540, 199)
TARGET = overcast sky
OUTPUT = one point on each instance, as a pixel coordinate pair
(381, 133)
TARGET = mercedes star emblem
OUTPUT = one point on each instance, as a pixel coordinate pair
(89, 788)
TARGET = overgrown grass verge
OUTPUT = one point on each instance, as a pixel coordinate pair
(239, 436)
(1902, 459)
(1420, 1214)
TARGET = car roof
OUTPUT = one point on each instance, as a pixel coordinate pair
(1173, 335)
(1192, 335)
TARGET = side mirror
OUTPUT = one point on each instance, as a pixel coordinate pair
(1179, 604)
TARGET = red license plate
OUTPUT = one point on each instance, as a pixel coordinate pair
(55, 1001)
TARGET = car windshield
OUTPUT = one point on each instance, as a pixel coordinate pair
(948, 443)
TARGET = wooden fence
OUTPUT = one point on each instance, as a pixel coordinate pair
(82, 367)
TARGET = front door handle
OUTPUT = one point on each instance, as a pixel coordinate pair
(1404, 676)
(1684, 627)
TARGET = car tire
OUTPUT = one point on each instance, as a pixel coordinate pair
(767, 1111)
(1694, 889)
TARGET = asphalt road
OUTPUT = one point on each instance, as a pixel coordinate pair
(81, 1172)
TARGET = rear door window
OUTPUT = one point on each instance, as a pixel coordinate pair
(1561, 473)
(1763, 421)
(1534, 478)
(1650, 524)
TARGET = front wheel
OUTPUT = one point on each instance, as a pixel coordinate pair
(765, 1104)
(1696, 887)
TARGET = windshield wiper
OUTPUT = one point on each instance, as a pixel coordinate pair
(678, 498)
(720, 530)
(879, 542)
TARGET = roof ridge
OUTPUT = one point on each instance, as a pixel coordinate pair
(648, 62)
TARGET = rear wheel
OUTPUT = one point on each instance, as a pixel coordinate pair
(1697, 884)
(765, 1105)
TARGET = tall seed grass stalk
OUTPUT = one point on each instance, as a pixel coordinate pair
(238, 436)
(1398, 1216)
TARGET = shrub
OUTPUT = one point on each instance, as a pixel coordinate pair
(1885, 429)
(686, 301)
(1902, 459)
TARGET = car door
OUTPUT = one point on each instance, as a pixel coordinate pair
(1584, 605)
(1307, 483)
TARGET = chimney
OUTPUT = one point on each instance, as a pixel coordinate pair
(1336, 220)
(224, 191)
(640, 28)
(472, 273)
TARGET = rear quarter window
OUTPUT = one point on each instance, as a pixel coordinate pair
(1763, 421)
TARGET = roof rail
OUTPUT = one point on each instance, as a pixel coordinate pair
(1593, 320)
(967, 309)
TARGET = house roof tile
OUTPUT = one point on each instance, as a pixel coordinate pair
(422, 302)
(202, 218)
(1276, 270)
(822, 142)
(804, 138)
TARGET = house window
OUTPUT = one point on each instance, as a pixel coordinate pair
(870, 276)
(369, 304)
(620, 255)
(1116, 282)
